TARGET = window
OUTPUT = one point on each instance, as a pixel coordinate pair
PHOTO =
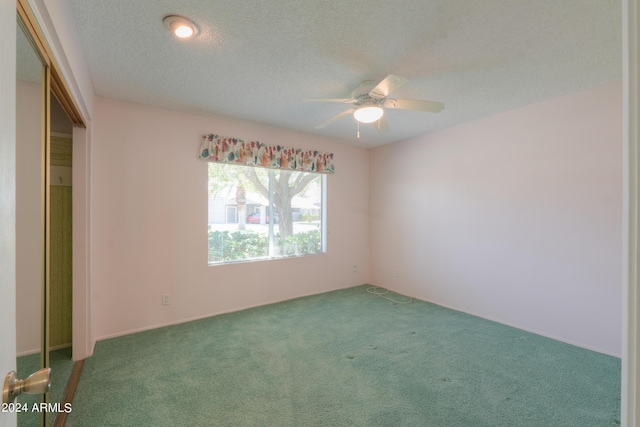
(276, 213)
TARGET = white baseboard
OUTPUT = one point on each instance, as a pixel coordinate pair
(205, 316)
(512, 325)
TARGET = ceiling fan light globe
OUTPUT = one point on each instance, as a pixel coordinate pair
(368, 114)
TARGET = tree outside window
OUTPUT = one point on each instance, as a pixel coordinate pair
(279, 213)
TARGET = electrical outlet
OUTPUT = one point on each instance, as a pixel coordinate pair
(165, 299)
(355, 268)
(397, 271)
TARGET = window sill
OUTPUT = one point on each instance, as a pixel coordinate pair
(263, 259)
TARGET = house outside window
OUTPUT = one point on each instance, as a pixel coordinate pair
(277, 213)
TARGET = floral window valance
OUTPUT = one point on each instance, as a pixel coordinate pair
(215, 148)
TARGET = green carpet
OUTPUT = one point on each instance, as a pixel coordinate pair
(345, 358)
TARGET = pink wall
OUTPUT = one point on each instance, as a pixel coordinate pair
(149, 222)
(516, 217)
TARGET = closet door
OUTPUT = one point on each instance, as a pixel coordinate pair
(31, 223)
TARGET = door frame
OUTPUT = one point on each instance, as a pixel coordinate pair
(7, 194)
(631, 212)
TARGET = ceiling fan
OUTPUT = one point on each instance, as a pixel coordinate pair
(369, 100)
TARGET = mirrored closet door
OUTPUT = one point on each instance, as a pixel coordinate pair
(31, 137)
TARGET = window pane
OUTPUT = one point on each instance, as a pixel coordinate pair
(258, 213)
(298, 203)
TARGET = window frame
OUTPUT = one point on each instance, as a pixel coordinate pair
(271, 213)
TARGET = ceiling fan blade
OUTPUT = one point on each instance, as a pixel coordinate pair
(388, 85)
(336, 117)
(382, 126)
(414, 104)
(343, 100)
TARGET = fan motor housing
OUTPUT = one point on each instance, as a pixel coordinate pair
(363, 89)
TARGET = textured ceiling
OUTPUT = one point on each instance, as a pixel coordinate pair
(257, 60)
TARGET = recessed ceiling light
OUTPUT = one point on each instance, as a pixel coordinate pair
(181, 27)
